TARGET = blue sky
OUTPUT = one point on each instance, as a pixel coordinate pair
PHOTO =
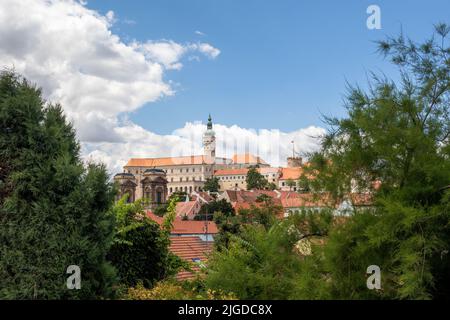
(282, 62)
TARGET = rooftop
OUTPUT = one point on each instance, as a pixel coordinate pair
(190, 249)
(181, 227)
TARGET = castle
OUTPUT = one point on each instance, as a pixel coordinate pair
(156, 178)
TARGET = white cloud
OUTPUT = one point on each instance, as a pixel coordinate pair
(206, 49)
(71, 52)
(168, 53)
(110, 17)
(274, 146)
(197, 32)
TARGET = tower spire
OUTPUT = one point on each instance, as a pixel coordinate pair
(209, 125)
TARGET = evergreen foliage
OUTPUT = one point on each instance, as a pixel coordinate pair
(54, 212)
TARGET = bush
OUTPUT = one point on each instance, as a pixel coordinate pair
(140, 249)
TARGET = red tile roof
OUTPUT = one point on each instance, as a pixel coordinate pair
(207, 197)
(190, 249)
(168, 161)
(310, 200)
(188, 208)
(291, 173)
(243, 199)
(187, 226)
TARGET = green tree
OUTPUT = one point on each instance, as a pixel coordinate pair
(397, 134)
(209, 209)
(261, 262)
(230, 224)
(140, 250)
(290, 183)
(162, 209)
(54, 212)
(271, 186)
(212, 184)
(255, 180)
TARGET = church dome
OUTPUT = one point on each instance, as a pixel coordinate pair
(154, 171)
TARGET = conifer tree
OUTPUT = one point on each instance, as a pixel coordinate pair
(394, 143)
(53, 210)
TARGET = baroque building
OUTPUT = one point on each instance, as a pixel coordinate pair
(186, 173)
(152, 187)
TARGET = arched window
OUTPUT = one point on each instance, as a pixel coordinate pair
(147, 193)
(158, 196)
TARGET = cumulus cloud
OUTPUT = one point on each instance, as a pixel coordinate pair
(168, 53)
(71, 52)
(274, 146)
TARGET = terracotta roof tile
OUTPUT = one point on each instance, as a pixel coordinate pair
(168, 161)
(189, 208)
(308, 200)
(291, 173)
(190, 249)
(187, 226)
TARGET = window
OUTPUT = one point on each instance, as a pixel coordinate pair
(158, 197)
(170, 189)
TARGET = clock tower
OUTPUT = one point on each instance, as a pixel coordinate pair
(209, 141)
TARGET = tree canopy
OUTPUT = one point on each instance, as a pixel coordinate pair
(394, 143)
(211, 184)
(255, 180)
(54, 212)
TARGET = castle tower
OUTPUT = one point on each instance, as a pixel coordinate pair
(209, 141)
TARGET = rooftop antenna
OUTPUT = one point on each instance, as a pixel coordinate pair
(293, 149)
